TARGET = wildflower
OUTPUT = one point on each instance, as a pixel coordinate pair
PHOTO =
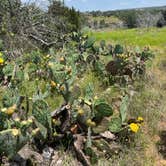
(1, 61)
(134, 127)
(15, 132)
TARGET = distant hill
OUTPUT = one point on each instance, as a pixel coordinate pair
(131, 18)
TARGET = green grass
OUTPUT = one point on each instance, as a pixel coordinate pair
(133, 37)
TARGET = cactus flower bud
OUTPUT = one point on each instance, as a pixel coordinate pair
(62, 88)
(53, 84)
(90, 123)
(11, 110)
(35, 131)
(81, 112)
(15, 132)
(24, 122)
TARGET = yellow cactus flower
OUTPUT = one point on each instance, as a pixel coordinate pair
(62, 59)
(11, 110)
(3, 110)
(53, 84)
(134, 127)
(81, 112)
(48, 56)
(62, 88)
(90, 123)
(17, 119)
(24, 122)
(56, 122)
(95, 97)
(15, 132)
(30, 120)
(35, 131)
(140, 118)
(50, 64)
(55, 134)
(1, 61)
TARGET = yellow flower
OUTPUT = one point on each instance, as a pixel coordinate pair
(62, 88)
(30, 120)
(50, 64)
(17, 119)
(35, 131)
(81, 112)
(1, 61)
(24, 122)
(53, 84)
(48, 56)
(62, 59)
(15, 132)
(90, 123)
(95, 97)
(140, 118)
(3, 110)
(134, 127)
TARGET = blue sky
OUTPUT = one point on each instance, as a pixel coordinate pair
(89, 5)
(86, 5)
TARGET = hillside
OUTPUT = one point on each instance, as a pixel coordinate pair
(129, 18)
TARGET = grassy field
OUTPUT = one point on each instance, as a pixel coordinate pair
(137, 37)
(149, 102)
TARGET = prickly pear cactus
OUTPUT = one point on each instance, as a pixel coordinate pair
(40, 111)
(118, 49)
(11, 141)
(102, 109)
(89, 42)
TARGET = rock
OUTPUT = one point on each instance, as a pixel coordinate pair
(28, 155)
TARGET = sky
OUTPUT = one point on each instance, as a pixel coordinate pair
(103, 5)
(89, 5)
